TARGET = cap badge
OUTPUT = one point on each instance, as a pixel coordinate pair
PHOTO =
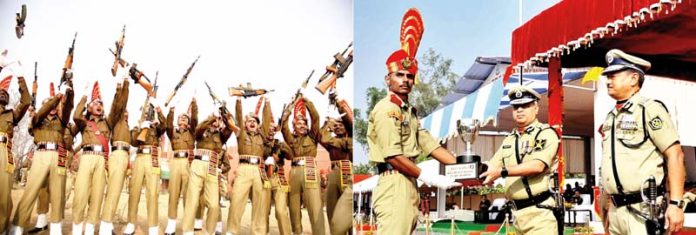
(518, 94)
(406, 63)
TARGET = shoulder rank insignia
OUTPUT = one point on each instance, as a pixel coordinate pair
(539, 145)
(656, 123)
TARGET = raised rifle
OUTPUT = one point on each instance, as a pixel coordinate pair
(335, 70)
(224, 112)
(67, 68)
(247, 91)
(148, 113)
(117, 53)
(34, 86)
(181, 82)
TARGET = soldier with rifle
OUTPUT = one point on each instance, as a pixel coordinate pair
(280, 188)
(527, 159)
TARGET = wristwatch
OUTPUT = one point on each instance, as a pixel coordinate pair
(680, 204)
(504, 173)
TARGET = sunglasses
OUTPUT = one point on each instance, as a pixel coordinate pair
(523, 106)
(402, 74)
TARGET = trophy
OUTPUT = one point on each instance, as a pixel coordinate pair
(468, 165)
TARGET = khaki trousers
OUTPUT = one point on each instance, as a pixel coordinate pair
(43, 199)
(248, 180)
(5, 189)
(201, 183)
(89, 187)
(118, 165)
(534, 220)
(395, 202)
(312, 200)
(279, 194)
(621, 221)
(144, 174)
(339, 203)
(44, 169)
(178, 181)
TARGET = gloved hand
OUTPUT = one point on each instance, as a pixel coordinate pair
(146, 124)
(440, 181)
(18, 70)
(269, 161)
(63, 88)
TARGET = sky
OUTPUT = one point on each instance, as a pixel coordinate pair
(272, 44)
(459, 30)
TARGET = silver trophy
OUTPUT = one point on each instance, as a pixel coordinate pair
(468, 164)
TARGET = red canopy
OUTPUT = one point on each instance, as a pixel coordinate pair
(663, 33)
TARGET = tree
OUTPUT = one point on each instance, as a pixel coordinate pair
(363, 169)
(436, 80)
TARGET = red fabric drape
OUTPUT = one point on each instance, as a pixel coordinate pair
(555, 95)
(569, 20)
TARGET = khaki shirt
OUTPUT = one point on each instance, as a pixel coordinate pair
(9, 118)
(104, 126)
(211, 139)
(121, 130)
(524, 146)
(637, 157)
(51, 129)
(183, 139)
(393, 129)
(250, 143)
(303, 145)
(339, 148)
(279, 150)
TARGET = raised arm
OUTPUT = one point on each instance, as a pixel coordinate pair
(267, 119)
(194, 116)
(200, 130)
(227, 131)
(24, 101)
(170, 123)
(79, 116)
(162, 127)
(118, 107)
(314, 115)
(68, 104)
(238, 112)
(284, 129)
(45, 109)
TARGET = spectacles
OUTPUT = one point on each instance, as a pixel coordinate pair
(402, 74)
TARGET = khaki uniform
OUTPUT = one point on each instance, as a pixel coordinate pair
(204, 176)
(539, 142)
(394, 130)
(91, 174)
(183, 143)
(118, 158)
(146, 171)
(279, 185)
(9, 118)
(248, 180)
(340, 179)
(634, 138)
(49, 163)
(304, 176)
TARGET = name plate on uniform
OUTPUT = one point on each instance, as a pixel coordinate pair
(462, 171)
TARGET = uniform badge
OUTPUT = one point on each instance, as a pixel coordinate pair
(656, 123)
(539, 145)
(518, 94)
(396, 115)
(406, 63)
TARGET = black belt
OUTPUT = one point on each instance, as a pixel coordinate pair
(384, 167)
(3, 139)
(47, 146)
(93, 148)
(535, 200)
(120, 147)
(620, 200)
(181, 154)
(199, 157)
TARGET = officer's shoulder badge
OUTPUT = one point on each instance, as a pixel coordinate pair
(395, 114)
(539, 144)
(656, 123)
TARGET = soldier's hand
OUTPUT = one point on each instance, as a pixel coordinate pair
(3, 59)
(269, 161)
(440, 181)
(171, 109)
(158, 109)
(491, 174)
(674, 219)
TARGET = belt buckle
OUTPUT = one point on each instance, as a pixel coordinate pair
(146, 151)
(97, 148)
(253, 160)
(50, 146)
(205, 157)
(301, 162)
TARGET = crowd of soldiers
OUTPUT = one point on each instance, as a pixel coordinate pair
(102, 162)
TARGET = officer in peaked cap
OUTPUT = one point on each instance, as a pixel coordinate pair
(638, 132)
(527, 159)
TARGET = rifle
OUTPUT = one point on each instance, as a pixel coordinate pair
(247, 91)
(223, 106)
(181, 82)
(148, 113)
(298, 94)
(136, 75)
(34, 87)
(335, 70)
(117, 53)
(67, 68)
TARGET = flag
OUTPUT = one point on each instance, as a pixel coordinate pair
(592, 74)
